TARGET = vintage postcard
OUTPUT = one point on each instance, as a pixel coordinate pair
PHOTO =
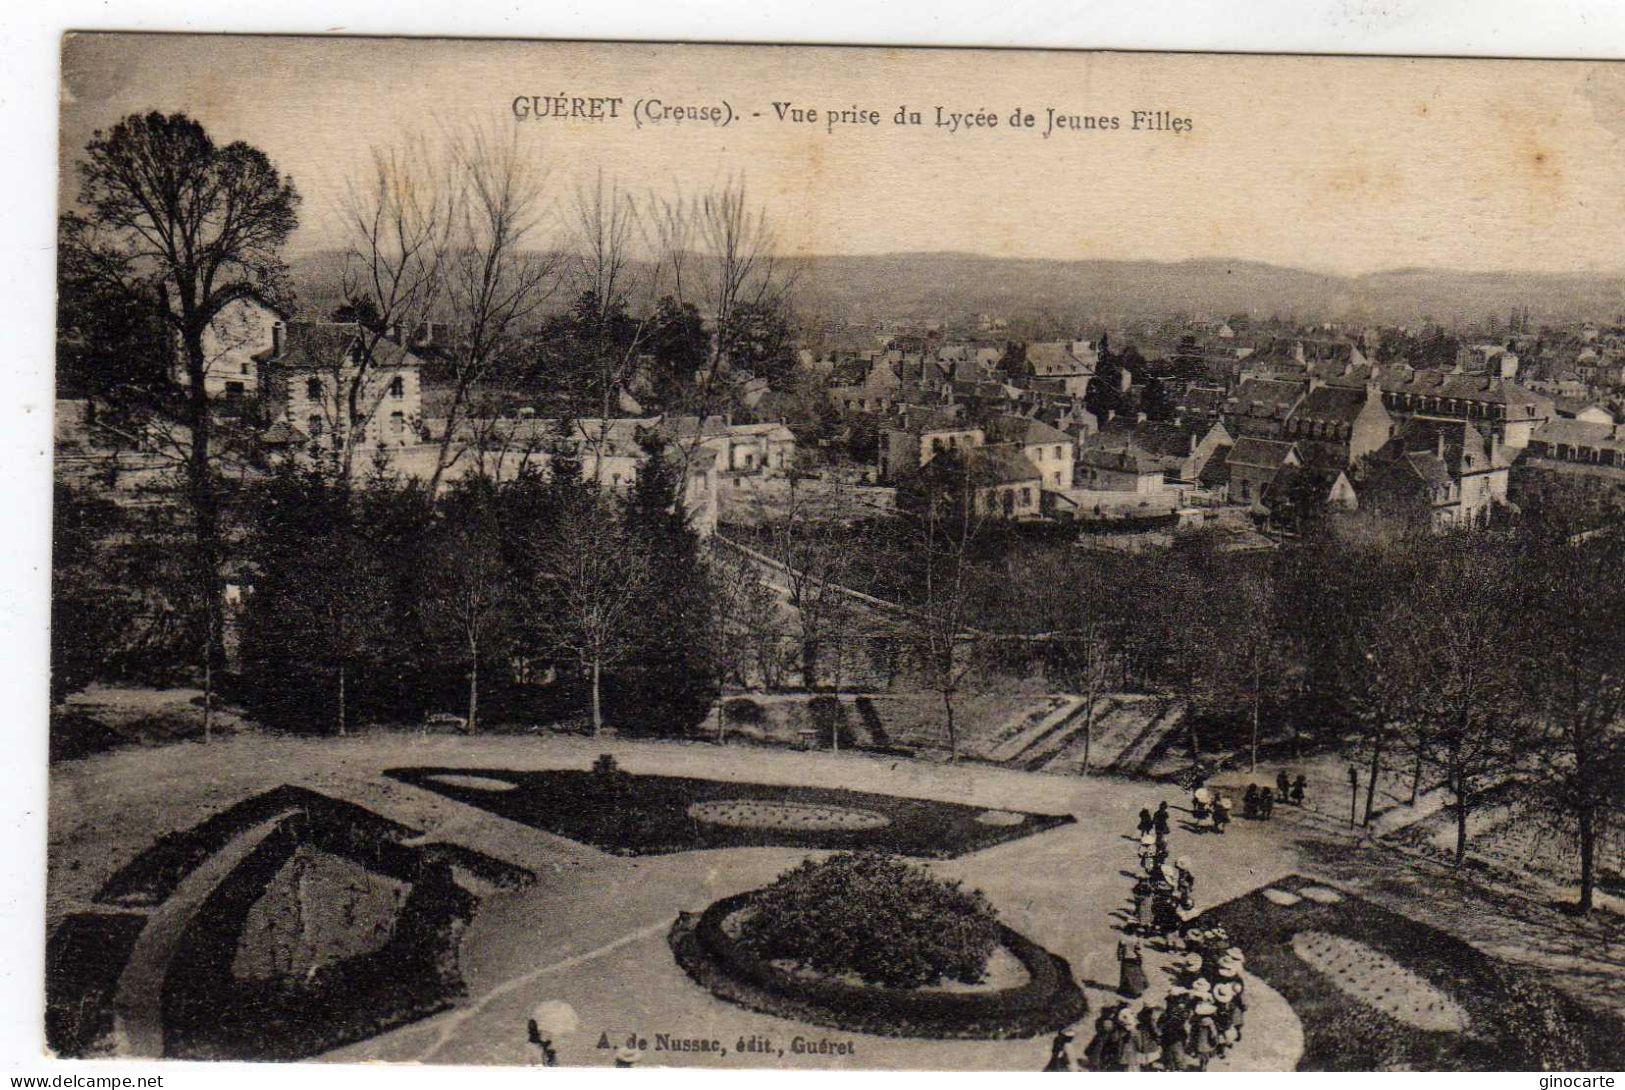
(641, 555)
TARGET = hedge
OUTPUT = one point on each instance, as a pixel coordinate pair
(208, 1013)
(649, 814)
(1049, 1000)
(151, 877)
(84, 958)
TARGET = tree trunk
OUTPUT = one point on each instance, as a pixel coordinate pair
(341, 701)
(1088, 729)
(809, 664)
(1252, 760)
(597, 705)
(205, 503)
(953, 737)
(473, 692)
(1588, 856)
(1461, 823)
(1371, 779)
(1416, 774)
(208, 698)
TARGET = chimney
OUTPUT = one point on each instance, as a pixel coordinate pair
(279, 338)
(1441, 446)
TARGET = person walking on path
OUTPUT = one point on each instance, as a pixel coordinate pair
(1249, 802)
(1130, 1057)
(1159, 820)
(1131, 982)
(1148, 849)
(1223, 997)
(1221, 813)
(1299, 786)
(1148, 1037)
(1165, 919)
(1283, 784)
(1144, 894)
(1176, 1054)
(1146, 824)
(1101, 1052)
(1060, 1052)
(1266, 803)
(1204, 1034)
(1184, 880)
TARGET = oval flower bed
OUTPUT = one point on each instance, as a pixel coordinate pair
(1047, 1000)
(1377, 980)
(800, 816)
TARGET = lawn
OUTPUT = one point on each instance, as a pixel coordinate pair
(653, 815)
(1377, 991)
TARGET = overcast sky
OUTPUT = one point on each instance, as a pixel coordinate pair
(1343, 165)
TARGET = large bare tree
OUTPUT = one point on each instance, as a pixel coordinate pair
(186, 227)
(499, 273)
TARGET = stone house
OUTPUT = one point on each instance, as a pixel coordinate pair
(308, 378)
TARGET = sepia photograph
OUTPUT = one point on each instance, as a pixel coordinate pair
(835, 558)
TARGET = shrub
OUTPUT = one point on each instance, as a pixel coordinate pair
(889, 922)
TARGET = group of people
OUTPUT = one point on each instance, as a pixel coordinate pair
(1290, 790)
(1207, 804)
(1259, 802)
(1202, 1016)
(1164, 892)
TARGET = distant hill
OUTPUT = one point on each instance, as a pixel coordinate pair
(954, 286)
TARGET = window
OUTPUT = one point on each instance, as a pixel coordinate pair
(1057, 453)
(234, 391)
(397, 424)
(1026, 496)
(313, 389)
(397, 387)
(1246, 491)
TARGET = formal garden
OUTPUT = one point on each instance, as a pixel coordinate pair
(628, 814)
(873, 944)
(323, 926)
(1378, 991)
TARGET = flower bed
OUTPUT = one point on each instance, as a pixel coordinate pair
(1377, 980)
(648, 815)
(212, 1012)
(756, 814)
(1334, 960)
(1048, 1000)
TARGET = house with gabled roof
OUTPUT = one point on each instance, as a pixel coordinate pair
(1438, 473)
(1181, 449)
(1051, 451)
(1122, 470)
(1254, 463)
(1344, 423)
(312, 371)
(1260, 406)
(1064, 366)
(919, 433)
